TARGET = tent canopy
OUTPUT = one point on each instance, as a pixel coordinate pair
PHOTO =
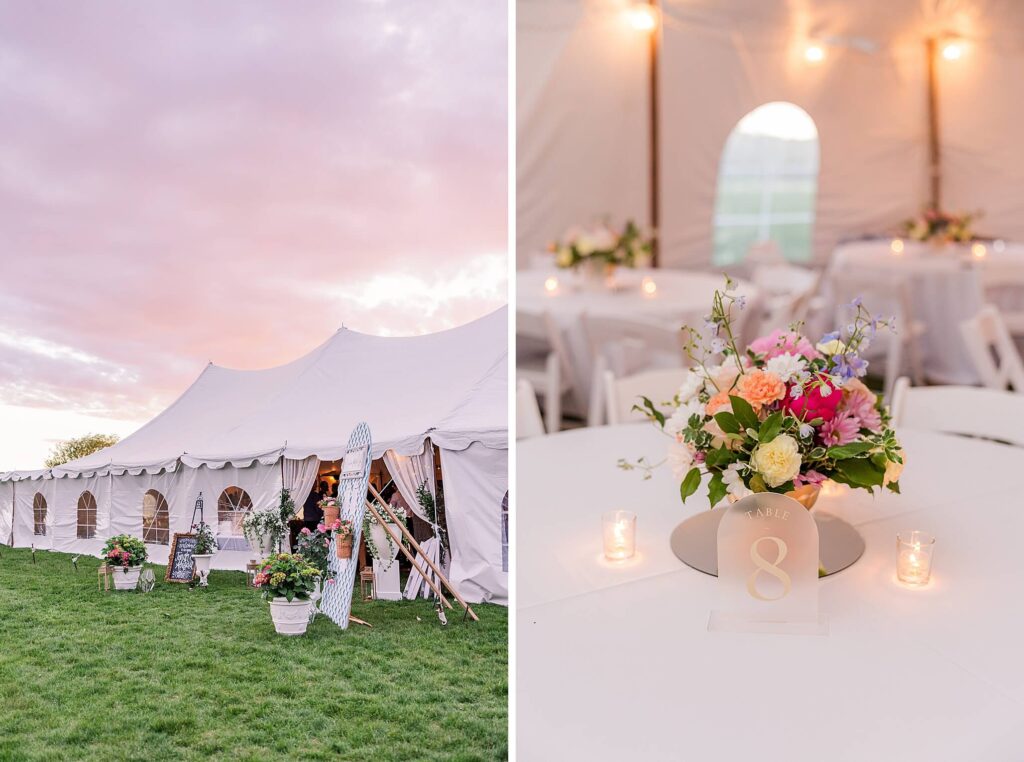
(580, 62)
(450, 386)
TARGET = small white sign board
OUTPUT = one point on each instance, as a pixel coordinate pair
(386, 582)
(768, 568)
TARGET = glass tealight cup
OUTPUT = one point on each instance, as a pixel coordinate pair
(914, 557)
(619, 535)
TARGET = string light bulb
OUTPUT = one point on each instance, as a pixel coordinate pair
(814, 53)
(952, 51)
(643, 17)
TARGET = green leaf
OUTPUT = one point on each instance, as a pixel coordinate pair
(770, 427)
(720, 457)
(842, 452)
(690, 483)
(716, 489)
(757, 484)
(744, 413)
(893, 487)
(860, 472)
(727, 422)
(650, 410)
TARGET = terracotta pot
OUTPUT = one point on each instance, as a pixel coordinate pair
(806, 495)
(344, 547)
(331, 515)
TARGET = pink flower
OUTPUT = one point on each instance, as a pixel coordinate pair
(813, 404)
(841, 430)
(811, 477)
(761, 388)
(321, 528)
(859, 401)
(330, 582)
(305, 530)
(780, 342)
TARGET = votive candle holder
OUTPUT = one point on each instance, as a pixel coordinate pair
(914, 557)
(619, 535)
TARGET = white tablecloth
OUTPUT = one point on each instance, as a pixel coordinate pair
(682, 297)
(615, 662)
(946, 288)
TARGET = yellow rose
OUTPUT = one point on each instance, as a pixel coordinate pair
(829, 348)
(564, 257)
(777, 461)
(893, 470)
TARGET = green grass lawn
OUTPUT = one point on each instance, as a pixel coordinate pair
(201, 674)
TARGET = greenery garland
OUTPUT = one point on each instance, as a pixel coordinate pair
(369, 520)
(430, 508)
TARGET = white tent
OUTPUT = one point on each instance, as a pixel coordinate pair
(264, 429)
(583, 130)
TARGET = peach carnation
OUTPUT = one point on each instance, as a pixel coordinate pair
(718, 402)
(760, 388)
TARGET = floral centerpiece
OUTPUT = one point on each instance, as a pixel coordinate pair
(287, 580)
(206, 547)
(378, 540)
(126, 554)
(937, 226)
(782, 416)
(603, 248)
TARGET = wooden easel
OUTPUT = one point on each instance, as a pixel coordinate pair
(408, 554)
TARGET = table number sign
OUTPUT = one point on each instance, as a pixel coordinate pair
(768, 568)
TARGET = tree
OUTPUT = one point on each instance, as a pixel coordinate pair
(79, 447)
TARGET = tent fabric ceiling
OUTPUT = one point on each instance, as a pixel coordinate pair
(583, 136)
(450, 386)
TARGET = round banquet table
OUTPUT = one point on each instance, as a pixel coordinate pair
(947, 286)
(616, 661)
(681, 297)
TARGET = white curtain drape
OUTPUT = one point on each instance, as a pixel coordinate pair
(410, 472)
(298, 477)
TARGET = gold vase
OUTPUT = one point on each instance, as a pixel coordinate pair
(806, 495)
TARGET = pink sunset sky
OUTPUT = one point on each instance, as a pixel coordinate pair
(231, 181)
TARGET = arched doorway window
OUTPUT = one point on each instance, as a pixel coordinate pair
(155, 518)
(767, 185)
(86, 516)
(232, 505)
(39, 514)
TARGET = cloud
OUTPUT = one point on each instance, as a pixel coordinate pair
(192, 181)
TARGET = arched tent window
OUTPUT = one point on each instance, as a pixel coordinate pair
(232, 505)
(39, 514)
(155, 518)
(86, 516)
(767, 185)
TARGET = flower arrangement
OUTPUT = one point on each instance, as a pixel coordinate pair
(260, 524)
(370, 521)
(629, 247)
(940, 227)
(783, 415)
(206, 541)
(344, 537)
(286, 575)
(314, 546)
(330, 508)
(124, 551)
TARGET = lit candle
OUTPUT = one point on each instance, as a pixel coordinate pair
(551, 285)
(619, 535)
(978, 250)
(649, 287)
(914, 558)
(896, 245)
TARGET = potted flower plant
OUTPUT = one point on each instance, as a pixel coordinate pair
(344, 536)
(331, 509)
(287, 580)
(263, 530)
(126, 554)
(314, 545)
(206, 548)
(379, 541)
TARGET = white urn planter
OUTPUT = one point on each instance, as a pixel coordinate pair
(384, 545)
(203, 567)
(290, 618)
(262, 545)
(126, 579)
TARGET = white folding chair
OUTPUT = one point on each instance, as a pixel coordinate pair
(992, 351)
(543, 359)
(965, 410)
(528, 420)
(890, 299)
(1002, 284)
(659, 386)
(625, 347)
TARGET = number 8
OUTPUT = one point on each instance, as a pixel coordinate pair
(769, 568)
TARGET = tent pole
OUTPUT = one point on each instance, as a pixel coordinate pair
(398, 540)
(654, 200)
(431, 564)
(934, 153)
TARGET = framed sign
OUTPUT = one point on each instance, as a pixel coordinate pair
(180, 566)
(768, 567)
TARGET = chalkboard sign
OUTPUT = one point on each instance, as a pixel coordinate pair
(180, 566)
